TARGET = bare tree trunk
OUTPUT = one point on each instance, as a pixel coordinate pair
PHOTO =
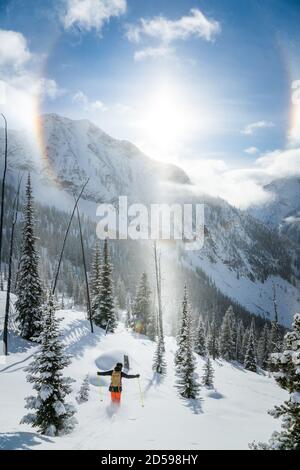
(66, 236)
(88, 297)
(11, 250)
(158, 288)
(3, 192)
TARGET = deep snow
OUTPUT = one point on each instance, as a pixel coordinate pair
(229, 417)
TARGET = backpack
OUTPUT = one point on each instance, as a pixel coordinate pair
(116, 379)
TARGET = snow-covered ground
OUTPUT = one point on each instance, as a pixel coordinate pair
(229, 417)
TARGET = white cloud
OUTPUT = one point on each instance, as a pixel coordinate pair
(243, 187)
(13, 49)
(251, 128)
(152, 53)
(21, 81)
(89, 14)
(196, 24)
(81, 99)
(251, 150)
(49, 88)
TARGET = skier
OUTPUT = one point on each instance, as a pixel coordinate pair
(116, 381)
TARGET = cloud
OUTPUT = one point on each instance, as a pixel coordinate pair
(21, 83)
(152, 53)
(251, 150)
(243, 187)
(49, 88)
(196, 24)
(13, 49)
(251, 128)
(89, 14)
(81, 99)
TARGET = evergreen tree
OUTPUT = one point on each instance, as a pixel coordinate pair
(29, 288)
(52, 415)
(121, 294)
(263, 348)
(129, 323)
(142, 305)
(208, 377)
(239, 342)
(106, 317)
(200, 346)
(212, 338)
(95, 290)
(83, 394)
(152, 328)
(159, 363)
(275, 345)
(287, 376)
(184, 358)
(250, 357)
(227, 349)
(245, 343)
(234, 328)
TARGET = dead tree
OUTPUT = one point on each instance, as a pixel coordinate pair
(66, 236)
(3, 191)
(88, 297)
(11, 251)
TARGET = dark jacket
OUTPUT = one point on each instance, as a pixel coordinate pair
(123, 376)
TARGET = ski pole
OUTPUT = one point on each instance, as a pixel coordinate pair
(141, 393)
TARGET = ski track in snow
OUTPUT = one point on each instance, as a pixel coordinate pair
(228, 417)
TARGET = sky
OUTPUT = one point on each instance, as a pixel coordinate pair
(210, 85)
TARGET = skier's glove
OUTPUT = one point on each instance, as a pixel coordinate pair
(137, 376)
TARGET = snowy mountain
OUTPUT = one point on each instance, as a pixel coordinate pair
(229, 416)
(72, 151)
(282, 211)
(241, 256)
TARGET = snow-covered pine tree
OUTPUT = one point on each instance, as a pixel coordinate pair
(52, 416)
(95, 283)
(227, 349)
(250, 357)
(106, 316)
(159, 363)
(239, 342)
(245, 343)
(121, 294)
(29, 288)
(129, 318)
(263, 348)
(152, 328)
(83, 394)
(208, 377)
(184, 358)
(212, 338)
(275, 345)
(233, 327)
(142, 304)
(200, 346)
(287, 376)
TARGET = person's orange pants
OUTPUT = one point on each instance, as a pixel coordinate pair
(116, 397)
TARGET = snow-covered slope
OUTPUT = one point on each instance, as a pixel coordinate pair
(282, 211)
(240, 253)
(229, 417)
(72, 151)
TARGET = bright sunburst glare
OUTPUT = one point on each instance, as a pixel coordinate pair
(166, 119)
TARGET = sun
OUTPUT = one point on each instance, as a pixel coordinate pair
(165, 119)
